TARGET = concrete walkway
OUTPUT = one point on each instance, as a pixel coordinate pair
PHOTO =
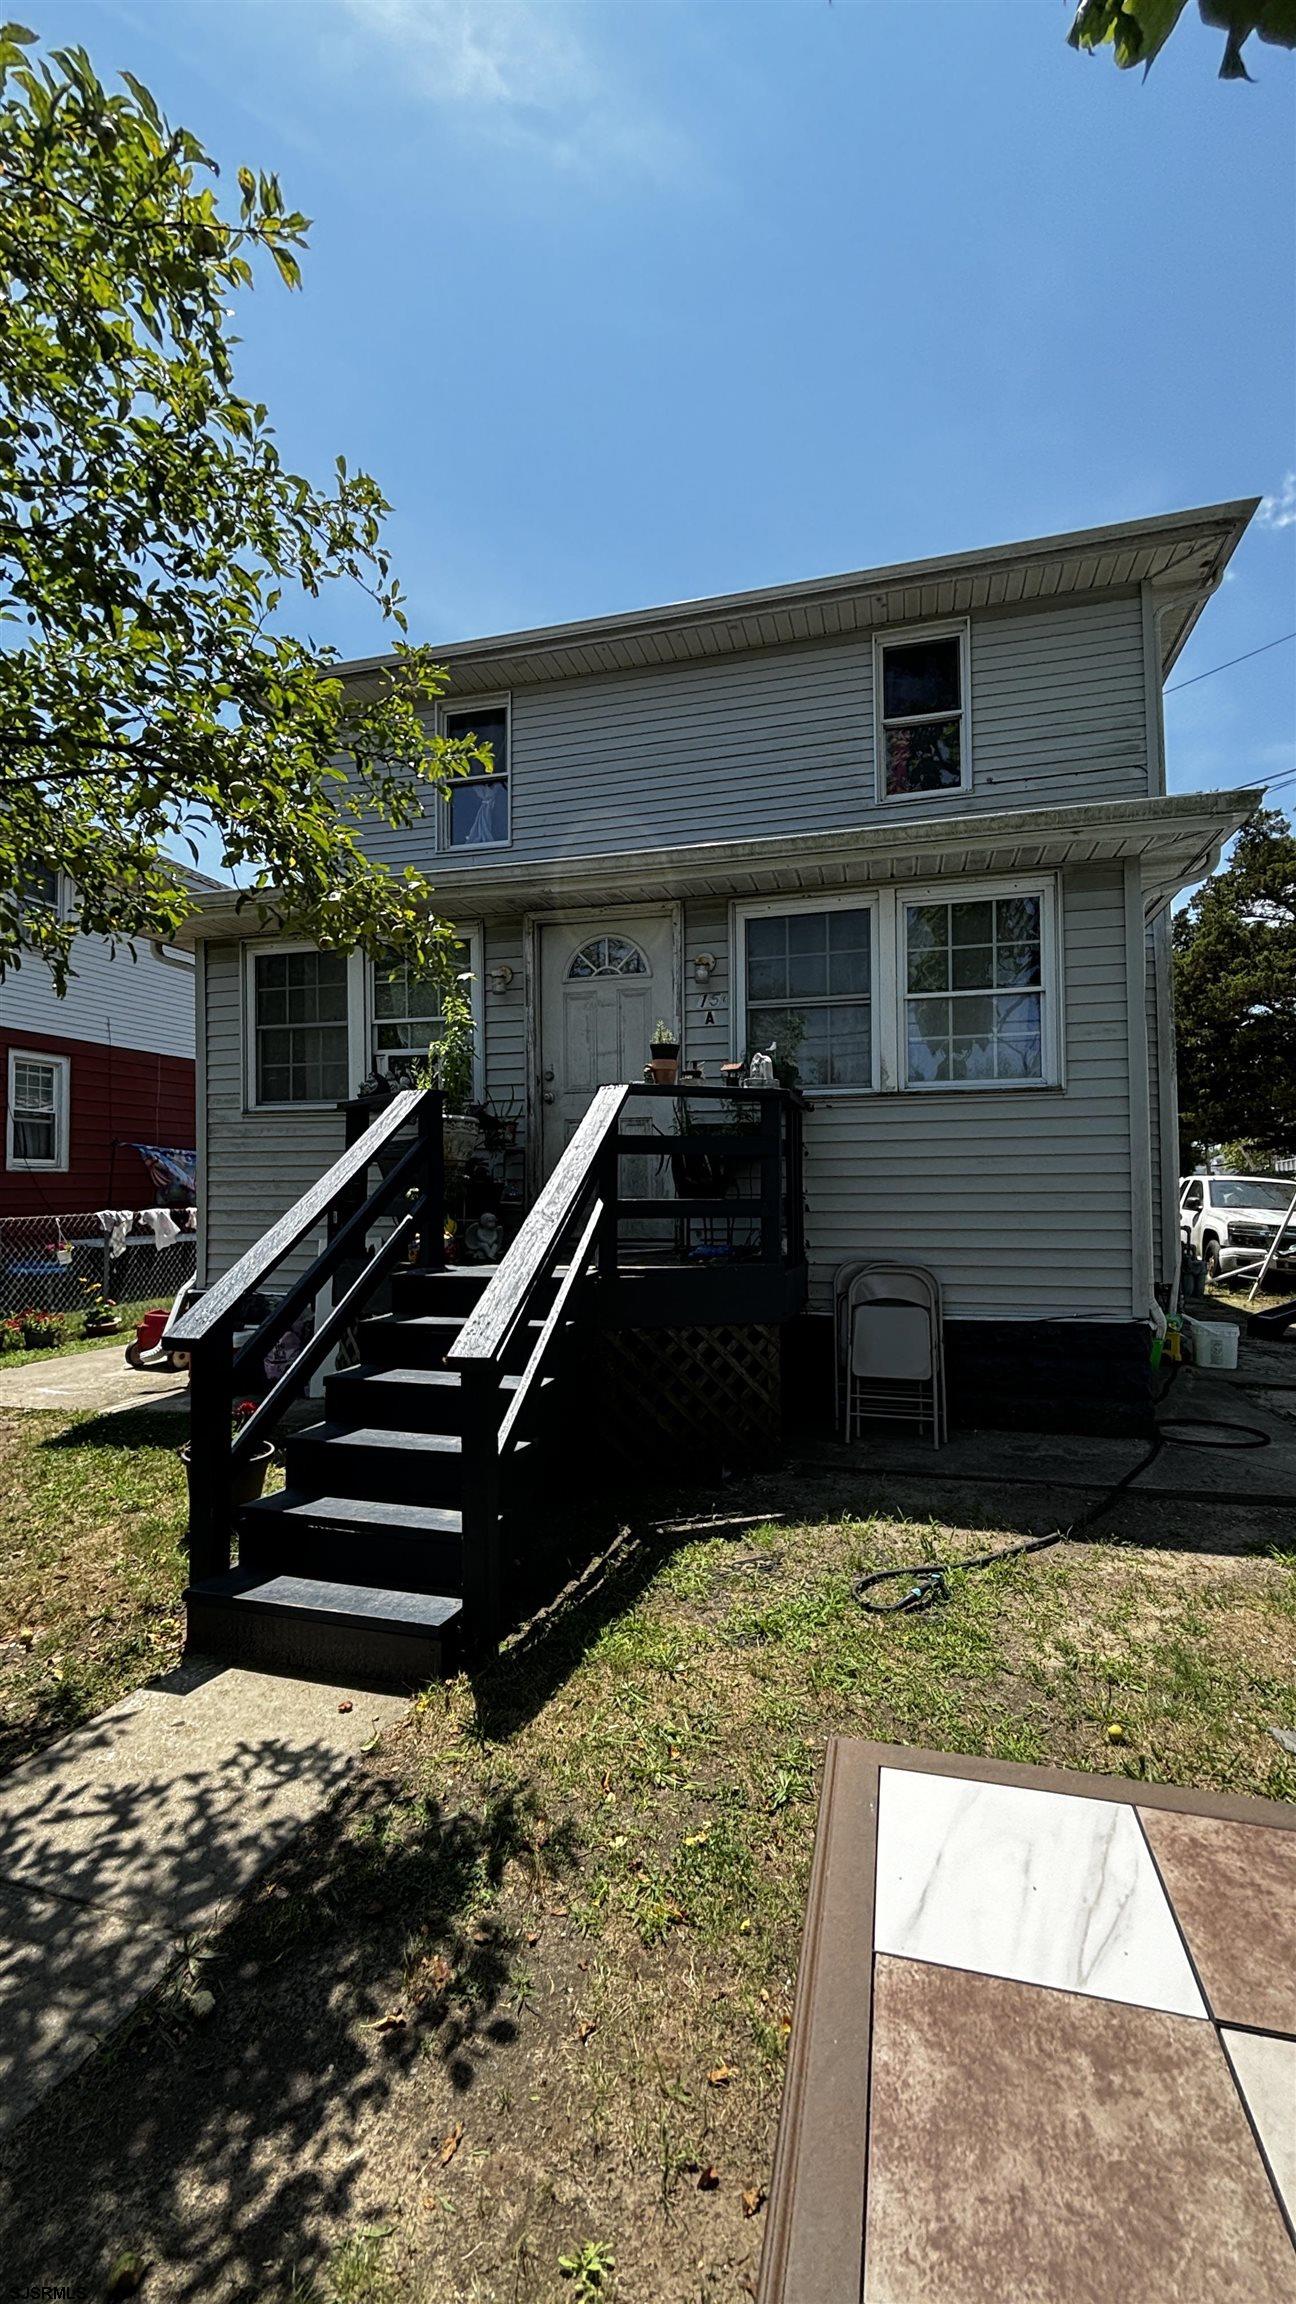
(129, 1837)
(89, 1383)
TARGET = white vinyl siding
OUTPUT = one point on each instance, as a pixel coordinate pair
(782, 741)
(1020, 1203)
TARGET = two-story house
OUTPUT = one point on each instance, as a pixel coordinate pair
(910, 824)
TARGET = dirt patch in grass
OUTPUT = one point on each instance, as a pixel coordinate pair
(509, 2027)
(91, 1566)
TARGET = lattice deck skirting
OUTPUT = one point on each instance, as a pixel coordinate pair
(700, 1392)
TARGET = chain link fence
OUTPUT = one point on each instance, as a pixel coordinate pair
(65, 1265)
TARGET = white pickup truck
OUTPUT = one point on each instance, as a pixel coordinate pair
(1231, 1220)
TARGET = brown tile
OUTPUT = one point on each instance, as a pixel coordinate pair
(1050, 2148)
(1233, 1887)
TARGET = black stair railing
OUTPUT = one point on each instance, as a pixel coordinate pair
(570, 1240)
(560, 1230)
(220, 1375)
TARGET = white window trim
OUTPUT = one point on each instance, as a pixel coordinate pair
(1045, 886)
(902, 636)
(452, 707)
(357, 1060)
(471, 933)
(62, 1069)
(855, 900)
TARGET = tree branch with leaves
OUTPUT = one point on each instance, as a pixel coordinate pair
(156, 555)
(1137, 30)
(1235, 997)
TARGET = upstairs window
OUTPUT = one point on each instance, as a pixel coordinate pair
(477, 805)
(299, 1025)
(922, 717)
(37, 1131)
(977, 992)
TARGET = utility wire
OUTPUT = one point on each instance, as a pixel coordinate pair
(1261, 651)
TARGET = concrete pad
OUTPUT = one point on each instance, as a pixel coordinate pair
(68, 1974)
(88, 1383)
(166, 1806)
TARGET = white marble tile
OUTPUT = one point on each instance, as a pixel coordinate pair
(1040, 1887)
(1266, 2074)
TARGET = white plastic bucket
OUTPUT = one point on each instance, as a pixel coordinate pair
(1214, 1343)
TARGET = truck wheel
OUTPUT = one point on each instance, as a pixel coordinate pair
(1211, 1258)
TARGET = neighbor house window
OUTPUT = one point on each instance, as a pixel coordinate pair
(808, 986)
(37, 1121)
(922, 717)
(299, 1026)
(40, 890)
(477, 805)
(976, 980)
(407, 1008)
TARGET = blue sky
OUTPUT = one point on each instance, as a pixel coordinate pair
(634, 301)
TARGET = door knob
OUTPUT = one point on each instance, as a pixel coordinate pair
(547, 1097)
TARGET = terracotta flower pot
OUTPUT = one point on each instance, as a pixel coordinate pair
(664, 1069)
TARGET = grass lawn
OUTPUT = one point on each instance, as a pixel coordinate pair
(509, 2027)
(91, 1567)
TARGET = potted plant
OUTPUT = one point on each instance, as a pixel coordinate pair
(663, 1055)
(41, 1331)
(449, 1067)
(101, 1316)
(248, 1478)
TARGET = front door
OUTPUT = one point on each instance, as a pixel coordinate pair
(604, 982)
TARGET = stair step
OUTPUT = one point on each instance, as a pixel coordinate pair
(361, 1512)
(351, 1633)
(416, 1467)
(399, 1399)
(372, 1541)
(417, 1340)
(454, 1288)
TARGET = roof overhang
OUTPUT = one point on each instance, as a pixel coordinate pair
(1176, 838)
(1180, 556)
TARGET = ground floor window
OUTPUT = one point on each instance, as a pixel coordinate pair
(299, 1027)
(36, 1130)
(406, 1009)
(910, 988)
(808, 993)
(974, 990)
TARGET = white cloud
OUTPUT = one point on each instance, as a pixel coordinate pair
(1279, 511)
(526, 77)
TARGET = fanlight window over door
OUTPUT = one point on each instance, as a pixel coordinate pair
(607, 956)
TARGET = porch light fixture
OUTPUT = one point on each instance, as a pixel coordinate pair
(500, 976)
(704, 967)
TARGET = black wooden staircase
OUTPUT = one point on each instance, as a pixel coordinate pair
(392, 1552)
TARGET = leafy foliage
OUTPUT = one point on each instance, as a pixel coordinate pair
(1139, 29)
(1235, 996)
(153, 547)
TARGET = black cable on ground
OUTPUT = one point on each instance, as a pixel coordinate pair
(928, 1581)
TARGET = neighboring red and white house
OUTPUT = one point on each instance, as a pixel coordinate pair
(86, 1078)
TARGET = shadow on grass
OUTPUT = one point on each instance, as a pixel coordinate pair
(147, 1426)
(222, 2147)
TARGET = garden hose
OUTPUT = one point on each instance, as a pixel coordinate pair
(928, 1581)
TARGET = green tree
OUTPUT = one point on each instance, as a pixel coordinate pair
(1139, 29)
(1235, 997)
(155, 553)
